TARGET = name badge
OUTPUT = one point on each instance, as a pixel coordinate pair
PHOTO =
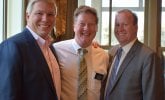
(99, 76)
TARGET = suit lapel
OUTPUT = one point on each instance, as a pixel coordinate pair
(35, 50)
(130, 55)
(112, 53)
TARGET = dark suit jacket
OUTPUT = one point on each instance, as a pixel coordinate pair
(140, 76)
(24, 73)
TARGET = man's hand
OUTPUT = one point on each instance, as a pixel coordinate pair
(95, 44)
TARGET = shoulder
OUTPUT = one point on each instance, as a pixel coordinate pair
(112, 50)
(62, 43)
(63, 46)
(147, 49)
(21, 37)
(18, 41)
(142, 48)
(10, 48)
(100, 52)
(12, 41)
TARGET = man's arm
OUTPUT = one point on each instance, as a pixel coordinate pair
(10, 78)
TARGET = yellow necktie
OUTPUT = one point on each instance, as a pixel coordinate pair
(83, 73)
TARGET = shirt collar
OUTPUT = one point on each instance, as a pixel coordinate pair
(76, 46)
(39, 39)
(127, 47)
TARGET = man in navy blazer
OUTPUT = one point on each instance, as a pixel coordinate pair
(139, 75)
(24, 72)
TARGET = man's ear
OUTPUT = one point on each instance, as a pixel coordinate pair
(27, 16)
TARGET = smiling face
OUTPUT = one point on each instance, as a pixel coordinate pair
(85, 28)
(125, 28)
(42, 18)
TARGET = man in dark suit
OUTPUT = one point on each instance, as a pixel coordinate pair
(138, 75)
(25, 71)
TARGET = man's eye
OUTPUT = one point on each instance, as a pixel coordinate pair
(38, 13)
(51, 14)
(125, 24)
(81, 24)
(91, 24)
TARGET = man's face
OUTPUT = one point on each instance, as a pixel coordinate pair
(42, 18)
(85, 28)
(125, 29)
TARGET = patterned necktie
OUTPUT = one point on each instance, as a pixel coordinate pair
(82, 80)
(113, 75)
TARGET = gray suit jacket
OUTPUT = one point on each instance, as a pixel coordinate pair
(140, 76)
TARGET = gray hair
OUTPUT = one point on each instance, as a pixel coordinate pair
(32, 2)
(85, 9)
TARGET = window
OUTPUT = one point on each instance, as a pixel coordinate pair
(163, 33)
(105, 34)
(1, 19)
(12, 18)
(163, 25)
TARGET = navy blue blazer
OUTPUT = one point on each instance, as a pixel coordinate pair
(24, 73)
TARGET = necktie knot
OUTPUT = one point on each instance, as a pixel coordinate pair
(119, 53)
(82, 51)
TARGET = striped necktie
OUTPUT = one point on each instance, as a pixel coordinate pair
(113, 75)
(82, 80)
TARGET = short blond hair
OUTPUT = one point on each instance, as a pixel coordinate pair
(32, 2)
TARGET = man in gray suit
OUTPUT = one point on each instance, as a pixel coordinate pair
(138, 75)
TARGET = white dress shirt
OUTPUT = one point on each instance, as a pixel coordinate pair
(126, 49)
(97, 62)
